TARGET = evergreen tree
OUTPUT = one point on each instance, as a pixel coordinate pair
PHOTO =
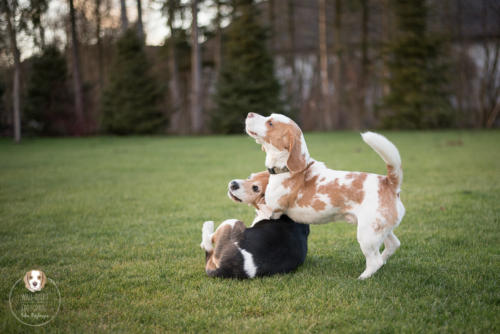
(130, 102)
(47, 96)
(246, 82)
(418, 72)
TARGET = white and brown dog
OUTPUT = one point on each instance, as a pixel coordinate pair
(35, 280)
(309, 192)
(268, 247)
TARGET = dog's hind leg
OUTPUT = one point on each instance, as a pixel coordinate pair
(370, 242)
(206, 236)
(391, 244)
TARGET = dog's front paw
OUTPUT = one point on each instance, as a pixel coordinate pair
(264, 212)
(276, 215)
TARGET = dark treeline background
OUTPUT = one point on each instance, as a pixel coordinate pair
(329, 64)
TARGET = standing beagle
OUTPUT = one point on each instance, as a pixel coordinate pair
(307, 191)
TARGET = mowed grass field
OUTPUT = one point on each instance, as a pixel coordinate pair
(116, 223)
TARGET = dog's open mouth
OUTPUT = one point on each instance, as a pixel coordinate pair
(234, 198)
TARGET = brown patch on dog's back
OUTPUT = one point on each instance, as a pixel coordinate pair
(303, 186)
(341, 194)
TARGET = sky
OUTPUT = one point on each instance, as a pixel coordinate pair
(155, 24)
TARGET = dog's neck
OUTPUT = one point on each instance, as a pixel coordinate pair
(276, 160)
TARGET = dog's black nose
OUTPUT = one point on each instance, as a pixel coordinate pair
(35, 283)
(234, 185)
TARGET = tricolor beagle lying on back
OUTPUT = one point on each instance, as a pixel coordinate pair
(268, 247)
(307, 191)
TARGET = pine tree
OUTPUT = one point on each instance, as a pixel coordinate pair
(418, 72)
(130, 101)
(246, 82)
(47, 96)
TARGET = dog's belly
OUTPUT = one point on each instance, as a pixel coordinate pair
(308, 215)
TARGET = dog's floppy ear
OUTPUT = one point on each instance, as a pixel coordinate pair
(262, 199)
(26, 282)
(44, 280)
(296, 161)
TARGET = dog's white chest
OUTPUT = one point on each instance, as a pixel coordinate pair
(275, 190)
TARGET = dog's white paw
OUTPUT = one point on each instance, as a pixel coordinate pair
(206, 234)
(364, 275)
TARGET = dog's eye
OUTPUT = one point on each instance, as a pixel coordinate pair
(270, 123)
(255, 188)
(38, 277)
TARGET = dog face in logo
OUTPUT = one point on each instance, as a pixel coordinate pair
(34, 280)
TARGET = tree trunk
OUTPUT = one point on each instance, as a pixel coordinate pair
(272, 21)
(323, 59)
(100, 65)
(292, 85)
(339, 91)
(41, 31)
(387, 32)
(16, 98)
(489, 87)
(174, 73)
(77, 80)
(218, 39)
(360, 117)
(461, 60)
(291, 35)
(140, 28)
(123, 15)
(196, 108)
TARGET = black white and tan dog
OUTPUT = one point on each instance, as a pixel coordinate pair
(268, 247)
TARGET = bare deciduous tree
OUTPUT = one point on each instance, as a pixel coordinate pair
(218, 37)
(171, 8)
(100, 61)
(196, 107)
(272, 22)
(361, 114)
(123, 15)
(323, 59)
(140, 27)
(489, 85)
(77, 79)
(339, 64)
(10, 10)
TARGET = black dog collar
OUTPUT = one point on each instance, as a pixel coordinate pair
(276, 170)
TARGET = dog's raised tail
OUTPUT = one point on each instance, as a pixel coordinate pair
(389, 153)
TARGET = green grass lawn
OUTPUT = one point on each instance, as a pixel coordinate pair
(116, 223)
